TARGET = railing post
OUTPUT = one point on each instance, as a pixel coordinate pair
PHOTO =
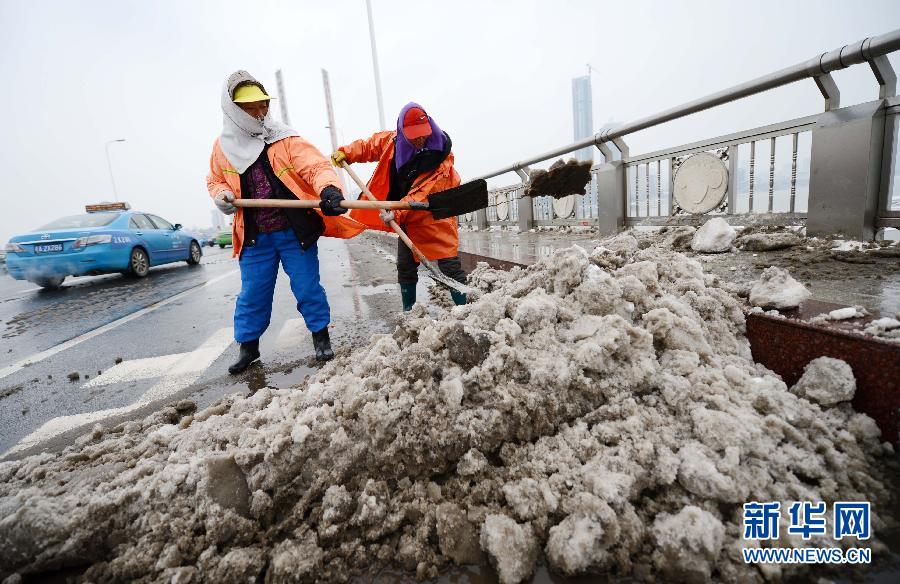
(525, 206)
(481, 222)
(829, 90)
(732, 178)
(885, 75)
(845, 171)
(611, 197)
(526, 213)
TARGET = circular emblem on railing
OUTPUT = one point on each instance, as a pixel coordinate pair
(563, 208)
(701, 183)
(502, 202)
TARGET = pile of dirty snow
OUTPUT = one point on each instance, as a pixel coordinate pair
(598, 411)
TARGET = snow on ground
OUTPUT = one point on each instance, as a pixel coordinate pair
(777, 289)
(887, 328)
(599, 411)
(714, 236)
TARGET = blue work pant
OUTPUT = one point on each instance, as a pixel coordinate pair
(259, 271)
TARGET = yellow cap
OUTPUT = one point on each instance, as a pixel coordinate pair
(249, 93)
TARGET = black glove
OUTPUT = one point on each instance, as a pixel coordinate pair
(331, 201)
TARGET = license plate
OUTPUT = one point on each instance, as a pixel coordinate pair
(48, 248)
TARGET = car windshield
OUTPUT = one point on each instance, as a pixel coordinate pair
(80, 221)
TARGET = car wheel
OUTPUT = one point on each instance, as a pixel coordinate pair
(52, 283)
(222, 245)
(139, 263)
(195, 254)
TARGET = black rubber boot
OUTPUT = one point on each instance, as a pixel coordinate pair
(249, 353)
(322, 344)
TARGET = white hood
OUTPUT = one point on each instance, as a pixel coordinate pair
(243, 136)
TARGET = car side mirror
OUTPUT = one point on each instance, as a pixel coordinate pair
(176, 227)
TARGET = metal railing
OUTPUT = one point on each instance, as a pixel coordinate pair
(772, 185)
(751, 159)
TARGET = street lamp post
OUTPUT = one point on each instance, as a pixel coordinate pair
(375, 67)
(109, 164)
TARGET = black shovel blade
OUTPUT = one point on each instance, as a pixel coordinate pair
(460, 200)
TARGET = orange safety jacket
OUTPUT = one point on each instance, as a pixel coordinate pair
(436, 238)
(302, 169)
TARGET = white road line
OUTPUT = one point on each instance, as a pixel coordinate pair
(183, 372)
(293, 333)
(135, 369)
(38, 357)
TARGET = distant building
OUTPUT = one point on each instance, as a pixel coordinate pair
(582, 114)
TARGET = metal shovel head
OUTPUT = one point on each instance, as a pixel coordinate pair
(560, 180)
(441, 278)
(460, 200)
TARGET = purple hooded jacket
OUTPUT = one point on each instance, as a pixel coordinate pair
(403, 148)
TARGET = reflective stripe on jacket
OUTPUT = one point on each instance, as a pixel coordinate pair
(436, 238)
(302, 169)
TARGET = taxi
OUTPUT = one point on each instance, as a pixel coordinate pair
(107, 238)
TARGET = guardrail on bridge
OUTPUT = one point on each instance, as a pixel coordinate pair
(833, 171)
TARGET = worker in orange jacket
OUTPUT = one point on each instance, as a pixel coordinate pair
(413, 162)
(257, 157)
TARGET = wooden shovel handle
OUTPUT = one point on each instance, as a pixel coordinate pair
(393, 224)
(313, 204)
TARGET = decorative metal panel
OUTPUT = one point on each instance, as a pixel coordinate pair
(701, 183)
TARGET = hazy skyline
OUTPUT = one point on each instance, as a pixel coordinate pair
(496, 76)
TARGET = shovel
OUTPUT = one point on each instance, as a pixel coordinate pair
(433, 270)
(450, 203)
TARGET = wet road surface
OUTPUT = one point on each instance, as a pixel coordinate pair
(109, 348)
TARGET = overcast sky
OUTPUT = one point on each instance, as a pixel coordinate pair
(495, 75)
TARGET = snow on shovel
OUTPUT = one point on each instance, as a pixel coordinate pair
(562, 179)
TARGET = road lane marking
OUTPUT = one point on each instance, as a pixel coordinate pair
(135, 369)
(293, 333)
(38, 357)
(183, 371)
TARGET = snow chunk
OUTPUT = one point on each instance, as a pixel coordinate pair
(679, 237)
(777, 289)
(472, 463)
(844, 313)
(511, 547)
(529, 499)
(456, 535)
(535, 311)
(826, 381)
(296, 561)
(688, 544)
(886, 327)
(576, 544)
(452, 391)
(715, 236)
(768, 241)
(581, 542)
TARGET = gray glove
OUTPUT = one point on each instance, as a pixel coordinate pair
(223, 201)
(387, 216)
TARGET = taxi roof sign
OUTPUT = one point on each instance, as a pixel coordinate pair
(106, 206)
